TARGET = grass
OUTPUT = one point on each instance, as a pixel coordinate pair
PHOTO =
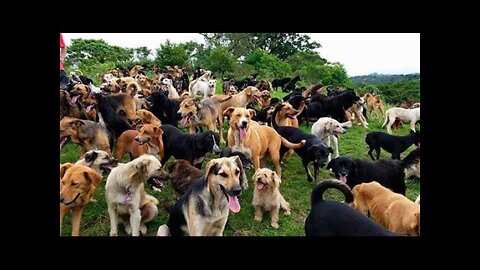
(294, 187)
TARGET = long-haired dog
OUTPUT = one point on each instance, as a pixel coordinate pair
(77, 184)
(328, 130)
(267, 196)
(203, 210)
(125, 194)
(393, 211)
(87, 134)
(182, 175)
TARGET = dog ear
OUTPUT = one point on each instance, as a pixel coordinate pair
(331, 163)
(330, 149)
(138, 127)
(276, 179)
(63, 168)
(248, 91)
(242, 177)
(211, 168)
(90, 156)
(229, 111)
(252, 112)
(77, 123)
(159, 132)
(142, 166)
(93, 177)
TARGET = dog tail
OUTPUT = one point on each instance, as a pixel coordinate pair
(225, 99)
(288, 144)
(318, 190)
(151, 199)
(346, 124)
(411, 158)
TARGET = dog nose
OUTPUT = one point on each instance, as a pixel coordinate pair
(61, 199)
(137, 139)
(236, 191)
(343, 173)
(179, 114)
(244, 123)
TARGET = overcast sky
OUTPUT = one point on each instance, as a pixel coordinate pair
(361, 54)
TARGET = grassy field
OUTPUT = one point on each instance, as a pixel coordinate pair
(294, 187)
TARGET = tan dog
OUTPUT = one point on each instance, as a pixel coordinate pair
(375, 104)
(231, 90)
(112, 87)
(126, 198)
(247, 136)
(87, 134)
(393, 211)
(134, 71)
(206, 112)
(147, 117)
(148, 140)
(355, 114)
(143, 82)
(239, 100)
(267, 197)
(286, 116)
(77, 184)
(132, 88)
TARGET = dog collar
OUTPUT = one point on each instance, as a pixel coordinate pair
(72, 201)
(128, 195)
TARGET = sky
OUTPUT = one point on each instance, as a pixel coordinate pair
(360, 53)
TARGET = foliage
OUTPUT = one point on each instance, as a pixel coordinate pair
(268, 66)
(170, 54)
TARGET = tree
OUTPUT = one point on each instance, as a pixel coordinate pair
(220, 60)
(267, 65)
(282, 45)
(140, 54)
(171, 54)
(298, 60)
(92, 51)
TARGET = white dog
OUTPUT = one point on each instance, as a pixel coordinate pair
(126, 198)
(405, 115)
(172, 92)
(327, 129)
(202, 86)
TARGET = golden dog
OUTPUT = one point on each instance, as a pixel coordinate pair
(393, 211)
(374, 103)
(77, 184)
(147, 117)
(267, 196)
(147, 140)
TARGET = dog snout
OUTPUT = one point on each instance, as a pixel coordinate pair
(137, 139)
(179, 114)
(61, 198)
(343, 173)
(236, 191)
(244, 124)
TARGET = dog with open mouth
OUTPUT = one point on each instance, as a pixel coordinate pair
(126, 198)
(147, 139)
(77, 185)
(102, 162)
(328, 130)
(267, 196)
(203, 210)
(241, 99)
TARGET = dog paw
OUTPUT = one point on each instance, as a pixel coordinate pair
(257, 218)
(113, 233)
(93, 200)
(287, 212)
(143, 229)
(156, 189)
(128, 229)
(274, 225)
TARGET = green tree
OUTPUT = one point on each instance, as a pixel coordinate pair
(268, 66)
(170, 54)
(220, 60)
(298, 60)
(92, 51)
(140, 54)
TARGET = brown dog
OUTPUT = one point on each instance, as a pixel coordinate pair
(77, 184)
(287, 115)
(267, 196)
(375, 104)
(147, 117)
(393, 211)
(182, 175)
(148, 140)
(87, 134)
(239, 100)
(247, 136)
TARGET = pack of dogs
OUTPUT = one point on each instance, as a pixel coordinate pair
(172, 126)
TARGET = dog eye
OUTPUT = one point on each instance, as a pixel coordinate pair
(122, 112)
(73, 184)
(238, 115)
(223, 175)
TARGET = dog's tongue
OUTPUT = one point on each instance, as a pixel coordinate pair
(243, 133)
(74, 99)
(89, 108)
(233, 204)
(260, 186)
(184, 120)
(343, 179)
(63, 142)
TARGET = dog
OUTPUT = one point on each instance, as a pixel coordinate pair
(254, 140)
(77, 185)
(147, 140)
(331, 218)
(182, 175)
(374, 104)
(164, 108)
(291, 84)
(393, 211)
(231, 90)
(285, 115)
(389, 173)
(203, 210)
(135, 70)
(202, 87)
(356, 113)
(109, 118)
(147, 117)
(280, 83)
(395, 145)
(413, 159)
(87, 134)
(329, 129)
(246, 162)
(102, 162)
(411, 116)
(191, 147)
(267, 196)
(126, 198)
(241, 99)
(206, 112)
(172, 92)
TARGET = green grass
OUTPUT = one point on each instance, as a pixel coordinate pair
(294, 187)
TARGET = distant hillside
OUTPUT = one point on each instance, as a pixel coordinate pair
(380, 79)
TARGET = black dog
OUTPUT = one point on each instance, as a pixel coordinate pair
(395, 145)
(291, 84)
(191, 147)
(246, 162)
(332, 218)
(164, 108)
(115, 123)
(389, 173)
(334, 107)
(314, 149)
(280, 82)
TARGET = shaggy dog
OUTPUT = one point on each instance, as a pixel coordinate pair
(329, 129)
(267, 196)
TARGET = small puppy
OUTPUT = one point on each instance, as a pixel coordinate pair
(267, 196)
(393, 211)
